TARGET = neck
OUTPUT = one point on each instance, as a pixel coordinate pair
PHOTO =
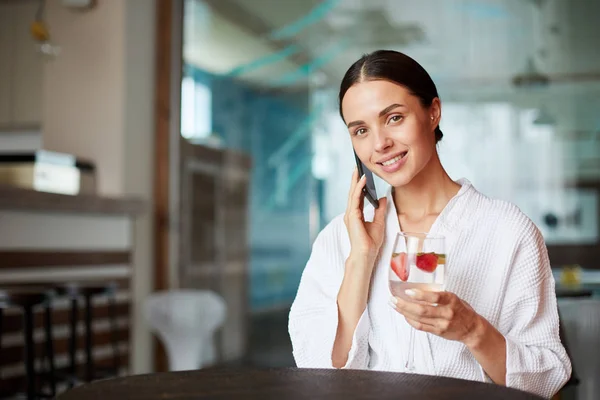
(428, 192)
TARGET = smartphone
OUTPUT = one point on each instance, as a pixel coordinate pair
(369, 189)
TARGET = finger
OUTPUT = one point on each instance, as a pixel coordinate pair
(416, 310)
(357, 196)
(350, 192)
(353, 183)
(444, 310)
(423, 320)
(379, 217)
(438, 327)
(421, 326)
(424, 296)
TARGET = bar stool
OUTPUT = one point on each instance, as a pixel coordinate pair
(90, 290)
(26, 299)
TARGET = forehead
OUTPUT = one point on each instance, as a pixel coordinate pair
(373, 96)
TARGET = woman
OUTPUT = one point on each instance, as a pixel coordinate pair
(497, 321)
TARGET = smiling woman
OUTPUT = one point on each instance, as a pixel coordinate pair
(387, 98)
(497, 319)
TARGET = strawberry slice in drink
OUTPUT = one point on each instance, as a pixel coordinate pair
(398, 265)
(427, 262)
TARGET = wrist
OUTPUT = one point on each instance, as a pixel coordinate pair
(357, 279)
(478, 332)
(362, 261)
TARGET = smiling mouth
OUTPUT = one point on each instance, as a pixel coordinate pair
(394, 160)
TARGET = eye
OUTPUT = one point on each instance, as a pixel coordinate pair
(360, 132)
(395, 118)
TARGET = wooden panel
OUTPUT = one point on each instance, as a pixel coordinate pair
(587, 256)
(122, 283)
(16, 384)
(28, 259)
(214, 243)
(15, 355)
(14, 322)
(163, 115)
(201, 220)
(12, 356)
(232, 158)
(165, 53)
(31, 230)
(13, 198)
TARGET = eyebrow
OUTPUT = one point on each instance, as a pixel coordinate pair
(381, 114)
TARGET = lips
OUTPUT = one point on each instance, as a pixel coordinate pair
(394, 159)
(393, 163)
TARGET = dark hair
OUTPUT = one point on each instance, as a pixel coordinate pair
(395, 67)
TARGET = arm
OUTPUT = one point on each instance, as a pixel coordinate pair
(352, 302)
(446, 315)
(329, 321)
(488, 346)
(316, 324)
(536, 360)
(525, 352)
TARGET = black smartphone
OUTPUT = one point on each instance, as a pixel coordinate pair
(369, 189)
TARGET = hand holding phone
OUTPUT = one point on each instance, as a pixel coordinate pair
(369, 189)
(366, 235)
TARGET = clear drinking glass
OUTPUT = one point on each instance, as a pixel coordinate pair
(418, 262)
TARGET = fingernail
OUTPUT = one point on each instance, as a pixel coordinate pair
(362, 177)
(410, 292)
(393, 300)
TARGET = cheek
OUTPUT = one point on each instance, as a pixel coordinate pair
(417, 140)
(409, 134)
(363, 149)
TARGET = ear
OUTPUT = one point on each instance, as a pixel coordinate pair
(435, 112)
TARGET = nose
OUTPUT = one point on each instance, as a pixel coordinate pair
(382, 141)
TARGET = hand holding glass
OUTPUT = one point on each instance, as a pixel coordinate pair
(418, 262)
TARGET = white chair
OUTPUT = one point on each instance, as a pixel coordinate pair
(185, 321)
(581, 323)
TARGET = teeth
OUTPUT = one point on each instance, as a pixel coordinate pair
(393, 160)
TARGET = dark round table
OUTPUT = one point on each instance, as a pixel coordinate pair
(289, 384)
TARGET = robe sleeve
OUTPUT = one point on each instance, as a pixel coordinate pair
(313, 318)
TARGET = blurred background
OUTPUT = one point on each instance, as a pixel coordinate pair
(165, 165)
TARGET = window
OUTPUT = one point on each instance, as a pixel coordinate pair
(196, 109)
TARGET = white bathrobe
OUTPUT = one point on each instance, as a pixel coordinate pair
(496, 261)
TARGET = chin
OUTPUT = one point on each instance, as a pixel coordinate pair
(398, 179)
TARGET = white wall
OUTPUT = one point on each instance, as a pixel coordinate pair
(84, 88)
(98, 104)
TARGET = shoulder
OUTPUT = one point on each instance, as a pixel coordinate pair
(329, 251)
(333, 237)
(333, 229)
(503, 216)
(509, 230)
